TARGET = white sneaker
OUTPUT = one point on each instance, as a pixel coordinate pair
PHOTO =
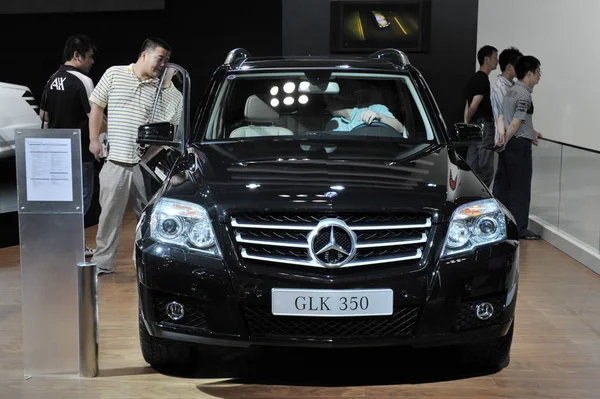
(103, 271)
(89, 251)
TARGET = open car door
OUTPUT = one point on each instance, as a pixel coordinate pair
(165, 133)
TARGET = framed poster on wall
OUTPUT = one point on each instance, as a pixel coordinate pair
(366, 26)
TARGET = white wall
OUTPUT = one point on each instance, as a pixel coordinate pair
(564, 36)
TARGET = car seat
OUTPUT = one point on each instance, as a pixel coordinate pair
(262, 120)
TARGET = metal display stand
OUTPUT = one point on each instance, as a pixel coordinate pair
(59, 289)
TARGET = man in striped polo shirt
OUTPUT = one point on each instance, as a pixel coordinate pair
(512, 184)
(128, 93)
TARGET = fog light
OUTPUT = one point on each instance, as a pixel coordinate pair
(175, 310)
(484, 310)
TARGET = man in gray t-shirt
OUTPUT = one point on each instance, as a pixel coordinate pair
(518, 106)
(512, 184)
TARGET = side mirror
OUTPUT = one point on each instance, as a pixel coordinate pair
(159, 133)
(466, 133)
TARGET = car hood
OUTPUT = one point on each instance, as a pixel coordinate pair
(338, 176)
(11, 86)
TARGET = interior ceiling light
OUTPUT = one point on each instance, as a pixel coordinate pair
(289, 87)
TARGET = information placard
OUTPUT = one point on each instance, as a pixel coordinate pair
(49, 169)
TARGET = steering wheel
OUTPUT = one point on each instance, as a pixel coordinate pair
(388, 129)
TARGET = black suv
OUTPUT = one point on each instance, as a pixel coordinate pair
(320, 202)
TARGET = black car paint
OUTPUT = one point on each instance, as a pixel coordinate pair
(217, 176)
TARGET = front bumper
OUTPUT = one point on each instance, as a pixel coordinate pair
(229, 305)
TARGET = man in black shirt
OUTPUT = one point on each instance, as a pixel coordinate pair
(478, 110)
(65, 104)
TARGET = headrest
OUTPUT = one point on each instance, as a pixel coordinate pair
(258, 111)
(368, 97)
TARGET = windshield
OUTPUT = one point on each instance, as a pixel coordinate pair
(319, 103)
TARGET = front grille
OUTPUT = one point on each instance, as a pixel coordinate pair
(305, 239)
(263, 324)
(193, 318)
(349, 218)
(466, 318)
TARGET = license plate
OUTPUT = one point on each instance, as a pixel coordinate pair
(331, 303)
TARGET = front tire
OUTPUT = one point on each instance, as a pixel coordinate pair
(159, 352)
(490, 354)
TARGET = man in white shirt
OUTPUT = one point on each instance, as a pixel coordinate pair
(128, 92)
(507, 60)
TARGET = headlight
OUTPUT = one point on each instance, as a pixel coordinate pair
(473, 225)
(184, 224)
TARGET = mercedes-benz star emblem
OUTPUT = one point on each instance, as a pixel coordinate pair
(332, 243)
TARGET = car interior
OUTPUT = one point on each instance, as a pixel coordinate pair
(260, 107)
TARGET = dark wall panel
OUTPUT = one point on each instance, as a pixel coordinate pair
(56, 6)
(447, 66)
(197, 31)
(201, 34)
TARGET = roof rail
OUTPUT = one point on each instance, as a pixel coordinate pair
(395, 56)
(235, 56)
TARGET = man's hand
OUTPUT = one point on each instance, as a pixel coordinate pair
(501, 138)
(368, 116)
(96, 149)
(538, 136)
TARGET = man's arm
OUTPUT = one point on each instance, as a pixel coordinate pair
(479, 86)
(471, 109)
(85, 92)
(99, 100)
(43, 114)
(381, 113)
(522, 107)
(501, 130)
(96, 123)
(512, 129)
(393, 122)
(104, 125)
(178, 116)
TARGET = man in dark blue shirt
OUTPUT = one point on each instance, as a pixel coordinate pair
(65, 104)
(478, 110)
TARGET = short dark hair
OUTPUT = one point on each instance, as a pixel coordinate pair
(152, 43)
(77, 43)
(485, 51)
(527, 63)
(509, 56)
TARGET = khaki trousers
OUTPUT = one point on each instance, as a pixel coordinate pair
(119, 183)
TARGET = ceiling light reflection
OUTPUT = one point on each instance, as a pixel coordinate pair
(289, 87)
